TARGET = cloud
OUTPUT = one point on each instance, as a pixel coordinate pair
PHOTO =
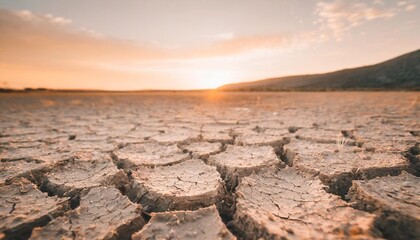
(27, 35)
(224, 36)
(238, 45)
(407, 5)
(47, 18)
(410, 7)
(37, 48)
(339, 16)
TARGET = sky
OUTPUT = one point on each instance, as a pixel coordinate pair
(194, 44)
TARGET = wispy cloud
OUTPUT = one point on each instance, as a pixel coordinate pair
(238, 45)
(407, 5)
(39, 47)
(339, 16)
(224, 36)
(29, 36)
(47, 18)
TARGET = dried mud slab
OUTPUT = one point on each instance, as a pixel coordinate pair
(217, 133)
(337, 165)
(204, 223)
(395, 199)
(104, 213)
(171, 136)
(218, 127)
(388, 144)
(92, 137)
(240, 161)
(288, 205)
(276, 139)
(7, 145)
(43, 137)
(413, 155)
(30, 169)
(385, 139)
(138, 135)
(184, 186)
(386, 147)
(343, 125)
(378, 132)
(203, 150)
(42, 153)
(23, 207)
(318, 135)
(293, 118)
(20, 130)
(77, 145)
(149, 155)
(222, 137)
(73, 177)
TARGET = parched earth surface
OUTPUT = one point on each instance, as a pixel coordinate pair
(210, 165)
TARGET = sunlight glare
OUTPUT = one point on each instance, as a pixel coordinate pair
(211, 79)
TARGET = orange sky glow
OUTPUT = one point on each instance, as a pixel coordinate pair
(194, 44)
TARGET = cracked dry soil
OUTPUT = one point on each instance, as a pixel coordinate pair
(210, 165)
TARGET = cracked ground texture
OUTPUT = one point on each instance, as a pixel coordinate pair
(338, 166)
(187, 185)
(23, 206)
(288, 205)
(104, 213)
(238, 161)
(209, 165)
(395, 198)
(72, 177)
(148, 154)
(185, 225)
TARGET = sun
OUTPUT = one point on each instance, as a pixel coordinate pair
(211, 79)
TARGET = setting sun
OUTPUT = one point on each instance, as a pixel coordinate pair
(210, 79)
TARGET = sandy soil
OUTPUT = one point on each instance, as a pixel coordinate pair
(210, 165)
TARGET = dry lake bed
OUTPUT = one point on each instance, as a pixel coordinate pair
(210, 165)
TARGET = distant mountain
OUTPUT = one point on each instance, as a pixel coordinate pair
(402, 72)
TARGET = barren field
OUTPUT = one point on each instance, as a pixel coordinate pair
(210, 165)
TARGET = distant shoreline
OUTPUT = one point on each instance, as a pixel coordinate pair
(42, 90)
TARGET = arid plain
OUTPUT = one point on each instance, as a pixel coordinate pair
(210, 165)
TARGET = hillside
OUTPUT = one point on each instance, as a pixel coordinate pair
(402, 72)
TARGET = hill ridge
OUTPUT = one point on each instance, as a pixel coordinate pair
(402, 72)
